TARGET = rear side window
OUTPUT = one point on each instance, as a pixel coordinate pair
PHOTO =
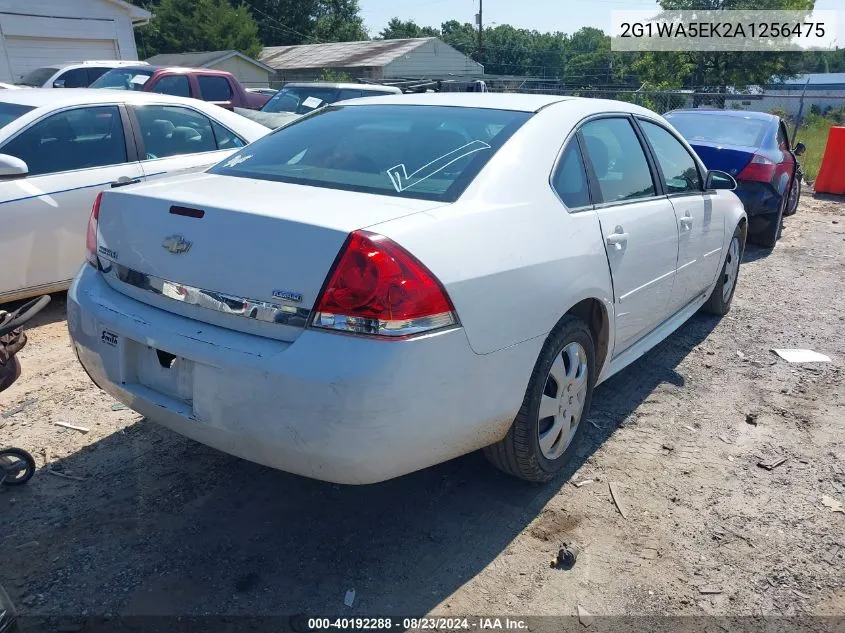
(570, 180)
(226, 139)
(176, 85)
(174, 131)
(75, 139)
(679, 169)
(427, 152)
(214, 88)
(618, 160)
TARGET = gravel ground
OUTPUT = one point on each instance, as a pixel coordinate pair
(157, 524)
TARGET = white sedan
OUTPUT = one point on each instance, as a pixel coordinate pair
(60, 148)
(392, 282)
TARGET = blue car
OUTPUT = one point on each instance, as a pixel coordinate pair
(754, 148)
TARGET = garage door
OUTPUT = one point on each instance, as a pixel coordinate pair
(29, 53)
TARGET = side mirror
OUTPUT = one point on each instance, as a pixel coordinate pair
(59, 83)
(12, 167)
(719, 180)
(799, 149)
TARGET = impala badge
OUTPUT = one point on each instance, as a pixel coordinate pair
(287, 295)
(176, 244)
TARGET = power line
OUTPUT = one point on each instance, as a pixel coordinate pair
(283, 26)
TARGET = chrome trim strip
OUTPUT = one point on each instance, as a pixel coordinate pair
(219, 302)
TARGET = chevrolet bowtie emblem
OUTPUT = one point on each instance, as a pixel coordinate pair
(176, 244)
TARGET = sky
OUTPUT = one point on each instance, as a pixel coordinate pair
(544, 15)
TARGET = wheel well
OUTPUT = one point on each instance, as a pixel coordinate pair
(593, 313)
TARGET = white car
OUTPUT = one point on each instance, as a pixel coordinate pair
(60, 148)
(433, 274)
(72, 75)
(5, 86)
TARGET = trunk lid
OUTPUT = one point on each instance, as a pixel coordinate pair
(261, 249)
(728, 158)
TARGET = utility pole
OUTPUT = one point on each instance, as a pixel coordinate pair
(480, 31)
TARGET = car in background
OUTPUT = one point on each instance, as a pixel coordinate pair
(60, 148)
(426, 275)
(72, 75)
(297, 99)
(214, 86)
(754, 148)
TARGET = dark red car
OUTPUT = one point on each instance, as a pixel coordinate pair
(214, 86)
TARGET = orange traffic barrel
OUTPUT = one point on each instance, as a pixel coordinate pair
(831, 178)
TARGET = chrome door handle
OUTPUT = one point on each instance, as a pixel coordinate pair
(617, 239)
(123, 181)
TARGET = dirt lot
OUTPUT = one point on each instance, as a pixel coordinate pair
(161, 525)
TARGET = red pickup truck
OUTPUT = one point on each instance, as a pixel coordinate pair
(214, 86)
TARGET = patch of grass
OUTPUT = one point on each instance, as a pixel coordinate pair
(813, 133)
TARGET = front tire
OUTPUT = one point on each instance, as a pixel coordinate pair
(720, 299)
(556, 404)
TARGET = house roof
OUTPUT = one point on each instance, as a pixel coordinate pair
(136, 14)
(373, 53)
(201, 59)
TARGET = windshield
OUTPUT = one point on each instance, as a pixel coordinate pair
(720, 129)
(38, 77)
(124, 79)
(11, 111)
(428, 152)
(301, 100)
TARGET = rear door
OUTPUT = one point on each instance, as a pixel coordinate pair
(700, 226)
(72, 155)
(639, 226)
(178, 139)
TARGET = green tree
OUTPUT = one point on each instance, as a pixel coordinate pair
(180, 26)
(716, 70)
(339, 21)
(284, 22)
(463, 37)
(396, 29)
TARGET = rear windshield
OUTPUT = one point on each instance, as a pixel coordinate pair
(11, 111)
(715, 128)
(427, 152)
(124, 79)
(36, 78)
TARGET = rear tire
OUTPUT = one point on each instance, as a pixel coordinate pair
(794, 197)
(720, 299)
(769, 238)
(561, 386)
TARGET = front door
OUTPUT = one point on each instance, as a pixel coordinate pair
(639, 227)
(72, 155)
(700, 226)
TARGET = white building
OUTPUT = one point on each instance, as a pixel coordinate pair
(420, 57)
(37, 33)
(824, 90)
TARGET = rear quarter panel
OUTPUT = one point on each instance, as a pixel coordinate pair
(510, 255)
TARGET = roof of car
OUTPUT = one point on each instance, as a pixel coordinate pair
(493, 100)
(745, 114)
(39, 97)
(342, 86)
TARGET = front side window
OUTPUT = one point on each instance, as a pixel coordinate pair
(95, 72)
(74, 139)
(174, 131)
(176, 85)
(214, 88)
(618, 160)
(679, 169)
(124, 79)
(570, 179)
(76, 78)
(427, 152)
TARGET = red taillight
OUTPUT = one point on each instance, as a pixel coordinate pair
(760, 169)
(91, 236)
(377, 287)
